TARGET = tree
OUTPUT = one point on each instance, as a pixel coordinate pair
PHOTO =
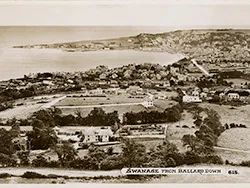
(110, 151)
(192, 142)
(24, 158)
(133, 154)
(50, 117)
(66, 153)
(198, 122)
(7, 149)
(40, 161)
(42, 136)
(111, 162)
(173, 114)
(166, 155)
(6, 144)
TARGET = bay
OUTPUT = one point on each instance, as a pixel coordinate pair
(15, 63)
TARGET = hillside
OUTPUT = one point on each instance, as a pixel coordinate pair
(205, 45)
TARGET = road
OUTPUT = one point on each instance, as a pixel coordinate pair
(61, 172)
(200, 67)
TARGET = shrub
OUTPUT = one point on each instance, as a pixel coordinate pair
(171, 162)
(32, 175)
(185, 126)
(84, 146)
(7, 161)
(53, 176)
(245, 163)
(5, 175)
(24, 158)
(243, 126)
(40, 161)
(192, 158)
(213, 159)
(111, 162)
(54, 164)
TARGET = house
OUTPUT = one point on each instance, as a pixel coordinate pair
(233, 96)
(47, 82)
(221, 95)
(244, 95)
(190, 98)
(203, 95)
(97, 91)
(174, 70)
(149, 102)
(161, 96)
(195, 93)
(182, 77)
(93, 134)
(205, 90)
(133, 90)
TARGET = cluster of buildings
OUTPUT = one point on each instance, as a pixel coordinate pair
(218, 95)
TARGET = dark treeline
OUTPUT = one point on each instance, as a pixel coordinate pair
(171, 114)
(54, 117)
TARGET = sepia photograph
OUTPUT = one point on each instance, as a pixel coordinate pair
(121, 92)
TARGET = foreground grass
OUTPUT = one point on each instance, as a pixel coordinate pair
(30, 177)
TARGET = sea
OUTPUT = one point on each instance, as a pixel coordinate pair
(15, 63)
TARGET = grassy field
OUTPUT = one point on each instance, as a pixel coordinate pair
(235, 138)
(231, 115)
(20, 112)
(238, 81)
(233, 156)
(85, 101)
(24, 108)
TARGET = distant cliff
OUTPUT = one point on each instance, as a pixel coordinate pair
(204, 45)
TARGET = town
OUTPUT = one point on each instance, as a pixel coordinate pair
(135, 115)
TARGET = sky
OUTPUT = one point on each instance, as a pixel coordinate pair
(91, 20)
(176, 15)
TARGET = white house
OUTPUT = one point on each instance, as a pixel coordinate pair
(189, 99)
(97, 135)
(233, 96)
(149, 102)
(97, 91)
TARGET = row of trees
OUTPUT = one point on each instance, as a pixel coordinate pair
(204, 140)
(96, 117)
(171, 114)
(133, 155)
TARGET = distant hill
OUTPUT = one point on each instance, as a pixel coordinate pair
(204, 45)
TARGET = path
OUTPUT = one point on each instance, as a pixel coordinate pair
(200, 67)
(103, 105)
(231, 149)
(52, 103)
